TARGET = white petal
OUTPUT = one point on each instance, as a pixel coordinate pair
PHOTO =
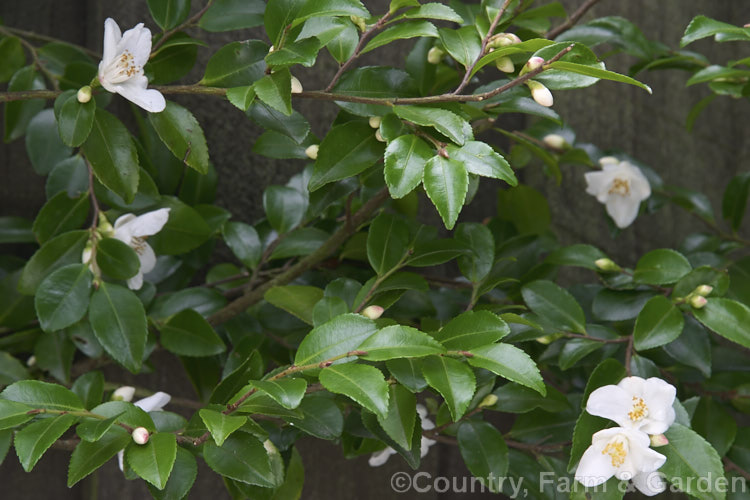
(155, 402)
(148, 259)
(633, 385)
(135, 91)
(594, 468)
(112, 36)
(425, 446)
(380, 457)
(136, 282)
(131, 39)
(644, 458)
(612, 402)
(650, 484)
(623, 210)
(150, 223)
(639, 185)
(140, 44)
(124, 228)
(120, 454)
(596, 182)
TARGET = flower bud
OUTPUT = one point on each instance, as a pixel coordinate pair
(606, 265)
(658, 440)
(359, 22)
(698, 301)
(296, 86)
(375, 121)
(84, 94)
(545, 339)
(489, 400)
(31, 361)
(373, 312)
(88, 252)
(532, 64)
(140, 435)
(540, 93)
(435, 55)
(505, 64)
(555, 141)
(703, 290)
(608, 160)
(379, 136)
(503, 40)
(124, 393)
(312, 151)
(104, 228)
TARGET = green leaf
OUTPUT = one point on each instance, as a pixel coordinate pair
(276, 90)
(59, 251)
(11, 369)
(117, 259)
(581, 55)
(576, 255)
(525, 207)
(43, 144)
(515, 398)
(90, 388)
(480, 159)
(154, 460)
(298, 300)
(402, 31)
(339, 336)
(329, 8)
(61, 213)
(241, 97)
(15, 230)
(734, 202)
(374, 81)
(509, 362)
(714, 423)
(63, 297)
(408, 372)
(328, 308)
(169, 13)
(185, 229)
(43, 395)
(33, 440)
(302, 241)
(432, 11)
(446, 182)
(119, 323)
(320, 418)
(399, 422)
(462, 44)
(454, 381)
(435, 252)
(524, 47)
(174, 59)
(182, 134)
(127, 413)
(93, 429)
(220, 425)
(294, 126)
(702, 27)
(398, 341)
(405, 159)
(661, 266)
(446, 122)
(18, 114)
(595, 72)
(387, 242)
(112, 155)
(476, 265)
(227, 15)
(242, 458)
(285, 207)
(288, 392)
(472, 329)
(363, 383)
(347, 150)
(555, 304)
(690, 457)
(484, 451)
(188, 334)
(13, 414)
(343, 45)
(12, 55)
(303, 52)
(88, 457)
(180, 480)
(728, 318)
(244, 242)
(236, 64)
(659, 323)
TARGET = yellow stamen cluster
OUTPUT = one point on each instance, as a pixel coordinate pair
(620, 186)
(639, 411)
(138, 243)
(616, 451)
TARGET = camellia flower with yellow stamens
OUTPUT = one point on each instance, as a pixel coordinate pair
(133, 230)
(625, 454)
(636, 403)
(121, 67)
(621, 187)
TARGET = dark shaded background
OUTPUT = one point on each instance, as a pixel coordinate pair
(649, 128)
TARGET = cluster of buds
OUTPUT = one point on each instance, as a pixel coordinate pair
(103, 230)
(697, 298)
(359, 22)
(504, 64)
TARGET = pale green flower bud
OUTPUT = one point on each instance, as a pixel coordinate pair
(435, 55)
(84, 94)
(489, 400)
(698, 302)
(373, 312)
(703, 290)
(658, 440)
(375, 121)
(540, 93)
(555, 141)
(359, 22)
(312, 151)
(505, 64)
(606, 265)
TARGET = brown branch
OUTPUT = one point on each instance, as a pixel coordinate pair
(628, 354)
(733, 466)
(358, 49)
(44, 38)
(255, 295)
(572, 20)
(485, 40)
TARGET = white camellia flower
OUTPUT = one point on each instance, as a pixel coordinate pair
(636, 403)
(154, 402)
(133, 230)
(625, 454)
(621, 187)
(121, 68)
(380, 457)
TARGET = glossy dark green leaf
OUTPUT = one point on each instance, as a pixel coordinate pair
(326, 8)
(117, 259)
(303, 52)
(154, 460)
(243, 458)
(285, 207)
(288, 392)
(61, 213)
(18, 114)
(339, 336)
(702, 27)
(659, 323)
(472, 329)
(185, 229)
(75, 119)
(321, 417)
(244, 242)
(446, 122)
(119, 322)
(690, 457)
(227, 15)
(401, 31)
(526, 208)
(387, 242)
(579, 255)
(734, 201)
(16, 230)
(38, 394)
(364, 384)
(174, 59)
(509, 362)
(169, 13)
(480, 159)
(182, 134)
(398, 341)
(475, 266)
(405, 159)
(63, 297)
(408, 372)
(374, 81)
(714, 423)
(454, 381)
(93, 429)
(13, 414)
(728, 318)
(555, 304)
(181, 479)
(662, 266)
(188, 334)
(298, 300)
(276, 91)
(43, 143)
(12, 55)
(484, 451)
(462, 44)
(398, 423)
(88, 457)
(59, 251)
(33, 440)
(446, 182)
(236, 64)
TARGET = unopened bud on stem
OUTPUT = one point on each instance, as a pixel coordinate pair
(140, 435)
(555, 141)
(84, 94)
(373, 312)
(540, 93)
(505, 64)
(698, 302)
(489, 400)
(312, 151)
(703, 290)
(124, 393)
(658, 440)
(435, 55)
(375, 121)
(532, 64)
(606, 265)
(296, 86)
(379, 136)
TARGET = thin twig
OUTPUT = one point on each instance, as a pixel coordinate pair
(35, 56)
(572, 20)
(628, 354)
(733, 466)
(188, 22)
(44, 38)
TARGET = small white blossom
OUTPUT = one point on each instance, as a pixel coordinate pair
(133, 230)
(621, 187)
(635, 403)
(121, 68)
(625, 454)
(380, 457)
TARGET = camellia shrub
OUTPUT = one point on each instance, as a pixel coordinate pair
(341, 315)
